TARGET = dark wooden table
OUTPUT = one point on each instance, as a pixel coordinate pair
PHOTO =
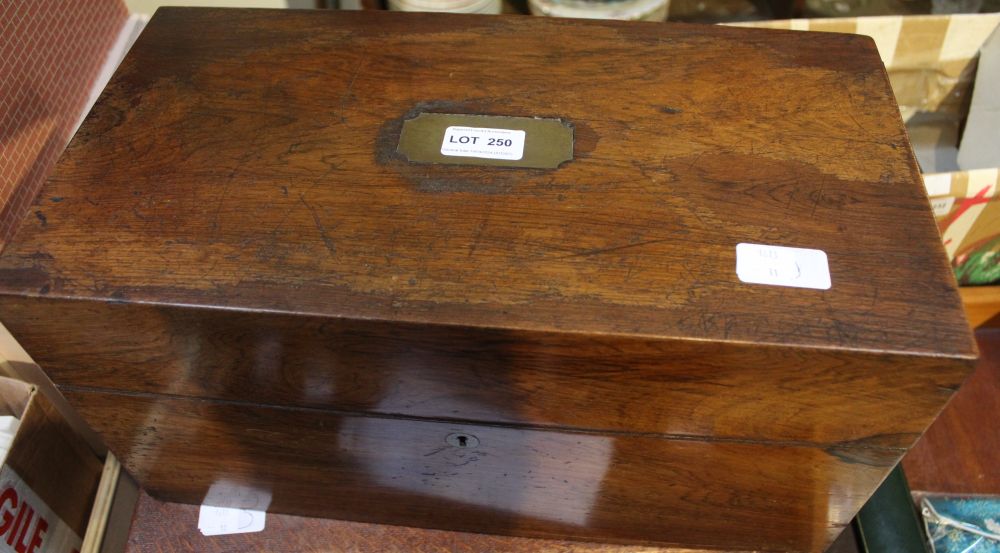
(960, 452)
(162, 527)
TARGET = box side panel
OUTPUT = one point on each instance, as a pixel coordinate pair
(488, 375)
(507, 481)
(52, 54)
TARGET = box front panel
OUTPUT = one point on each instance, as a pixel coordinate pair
(606, 487)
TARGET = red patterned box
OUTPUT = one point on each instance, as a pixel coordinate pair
(51, 52)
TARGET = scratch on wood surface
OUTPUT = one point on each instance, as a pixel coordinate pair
(599, 251)
(479, 234)
(350, 87)
(330, 246)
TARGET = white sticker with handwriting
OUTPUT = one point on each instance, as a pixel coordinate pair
(483, 142)
(782, 266)
(217, 521)
(233, 508)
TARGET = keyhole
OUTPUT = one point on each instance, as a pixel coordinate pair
(462, 441)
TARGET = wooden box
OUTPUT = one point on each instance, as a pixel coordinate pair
(253, 268)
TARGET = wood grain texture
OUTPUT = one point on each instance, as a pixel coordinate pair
(667, 387)
(626, 489)
(232, 234)
(165, 527)
(618, 266)
(960, 452)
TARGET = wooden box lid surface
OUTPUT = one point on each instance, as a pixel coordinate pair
(247, 160)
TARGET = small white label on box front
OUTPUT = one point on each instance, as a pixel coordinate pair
(782, 266)
(245, 509)
(219, 521)
(483, 143)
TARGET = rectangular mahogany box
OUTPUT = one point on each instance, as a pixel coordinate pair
(480, 273)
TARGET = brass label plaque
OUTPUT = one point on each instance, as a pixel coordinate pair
(490, 140)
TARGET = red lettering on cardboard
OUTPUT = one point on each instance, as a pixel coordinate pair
(19, 544)
(36, 539)
(17, 525)
(16, 530)
(9, 495)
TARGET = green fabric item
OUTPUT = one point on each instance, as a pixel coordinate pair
(888, 523)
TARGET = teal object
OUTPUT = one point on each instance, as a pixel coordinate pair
(962, 524)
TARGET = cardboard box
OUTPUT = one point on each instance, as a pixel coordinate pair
(114, 502)
(53, 52)
(48, 479)
(967, 209)
(932, 61)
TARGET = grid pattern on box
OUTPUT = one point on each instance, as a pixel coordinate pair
(50, 53)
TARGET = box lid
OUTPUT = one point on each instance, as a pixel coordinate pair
(248, 160)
